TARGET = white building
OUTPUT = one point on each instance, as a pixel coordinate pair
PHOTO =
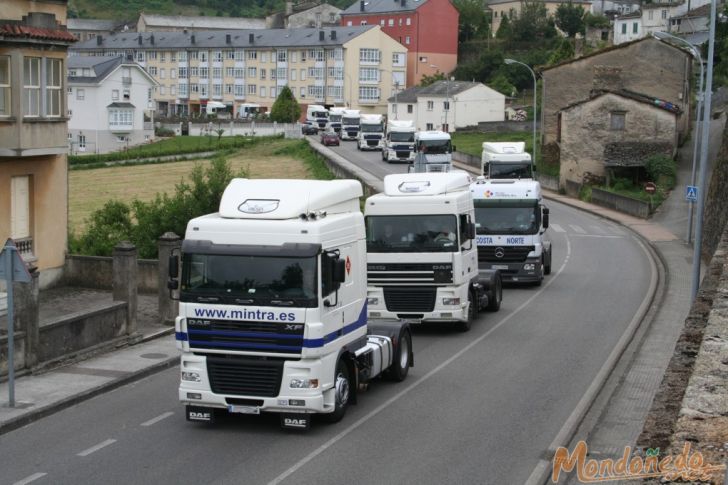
(107, 99)
(447, 105)
(628, 27)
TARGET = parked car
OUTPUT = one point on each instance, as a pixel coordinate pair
(329, 138)
(308, 129)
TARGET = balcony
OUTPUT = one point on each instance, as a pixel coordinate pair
(28, 137)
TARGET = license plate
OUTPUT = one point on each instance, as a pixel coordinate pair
(411, 321)
(499, 266)
(244, 409)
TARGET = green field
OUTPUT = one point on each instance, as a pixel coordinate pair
(472, 143)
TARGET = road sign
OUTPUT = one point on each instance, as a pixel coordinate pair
(650, 188)
(19, 270)
(691, 193)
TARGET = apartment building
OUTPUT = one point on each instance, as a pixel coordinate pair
(33, 163)
(358, 67)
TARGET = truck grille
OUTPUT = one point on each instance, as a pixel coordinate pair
(403, 154)
(372, 143)
(244, 376)
(409, 273)
(239, 335)
(511, 254)
(409, 299)
(352, 134)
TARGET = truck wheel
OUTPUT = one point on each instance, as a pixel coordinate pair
(472, 313)
(496, 296)
(547, 266)
(342, 391)
(401, 360)
(540, 278)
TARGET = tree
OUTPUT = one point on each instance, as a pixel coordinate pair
(501, 84)
(285, 109)
(427, 80)
(473, 20)
(563, 52)
(505, 30)
(533, 23)
(570, 19)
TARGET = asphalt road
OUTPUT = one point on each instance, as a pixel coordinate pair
(479, 407)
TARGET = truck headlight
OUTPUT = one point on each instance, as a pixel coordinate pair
(529, 267)
(451, 301)
(372, 300)
(303, 383)
(191, 376)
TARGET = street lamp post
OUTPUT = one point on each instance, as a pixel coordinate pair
(701, 94)
(513, 61)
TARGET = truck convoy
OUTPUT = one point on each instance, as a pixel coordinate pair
(371, 132)
(421, 255)
(272, 305)
(434, 152)
(399, 142)
(350, 124)
(506, 160)
(335, 115)
(510, 222)
(317, 115)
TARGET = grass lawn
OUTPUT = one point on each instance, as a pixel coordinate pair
(472, 143)
(90, 189)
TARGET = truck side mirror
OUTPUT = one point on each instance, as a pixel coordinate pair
(173, 266)
(471, 230)
(454, 149)
(339, 272)
(545, 217)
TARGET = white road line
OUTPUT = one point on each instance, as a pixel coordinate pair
(598, 229)
(419, 381)
(32, 478)
(557, 228)
(157, 419)
(93, 449)
(577, 229)
(598, 236)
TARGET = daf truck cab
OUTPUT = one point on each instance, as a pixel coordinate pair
(317, 115)
(371, 132)
(506, 160)
(399, 142)
(434, 152)
(422, 258)
(335, 117)
(272, 305)
(350, 124)
(511, 222)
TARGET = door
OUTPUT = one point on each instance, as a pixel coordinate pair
(20, 207)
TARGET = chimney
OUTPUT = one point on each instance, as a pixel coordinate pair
(361, 5)
(289, 8)
(251, 38)
(333, 35)
(228, 39)
(192, 38)
(322, 35)
(139, 39)
(151, 39)
(99, 40)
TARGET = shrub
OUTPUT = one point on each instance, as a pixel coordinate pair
(162, 131)
(107, 227)
(661, 166)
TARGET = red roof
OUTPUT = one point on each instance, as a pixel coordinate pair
(15, 30)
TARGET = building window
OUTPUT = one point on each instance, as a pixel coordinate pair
(423, 58)
(252, 88)
(409, 109)
(217, 72)
(217, 56)
(430, 105)
(446, 105)
(616, 120)
(407, 40)
(429, 127)
(229, 71)
(302, 93)
(239, 55)
(31, 86)
(183, 56)
(281, 73)
(173, 56)
(381, 22)
(121, 117)
(368, 75)
(363, 22)
(82, 142)
(239, 73)
(303, 74)
(202, 56)
(162, 56)
(5, 86)
(252, 72)
(152, 70)
(263, 72)
(332, 18)
(400, 22)
(80, 94)
(252, 55)
(282, 56)
(634, 27)
(115, 95)
(217, 90)
(162, 91)
(238, 90)
(182, 90)
(369, 56)
(194, 72)
(391, 22)
(348, 23)
(399, 59)
(173, 90)
(664, 14)
(263, 57)
(203, 90)
(624, 29)
(194, 88)
(294, 73)
(228, 89)
(316, 92)
(173, 73)
(262, 92)
(335, 92)
(204, 72)
(162, 73)
(368, 93)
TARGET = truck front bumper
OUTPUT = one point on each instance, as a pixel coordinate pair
(450, 306)
(528, 271)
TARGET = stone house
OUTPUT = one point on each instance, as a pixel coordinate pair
(614, 130)
(646, 66)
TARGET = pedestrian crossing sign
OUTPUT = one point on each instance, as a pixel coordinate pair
(691, 193)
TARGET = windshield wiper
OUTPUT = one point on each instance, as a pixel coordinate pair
(207, 299)
(282, 302)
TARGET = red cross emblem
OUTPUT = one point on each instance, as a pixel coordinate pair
(348, 265)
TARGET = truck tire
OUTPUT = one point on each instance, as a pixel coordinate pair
(401, 359)
(472, 313)
(547, 266)
(496, 296)
(342, 392)
(543, 270)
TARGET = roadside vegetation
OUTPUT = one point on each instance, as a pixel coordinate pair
(140, 203)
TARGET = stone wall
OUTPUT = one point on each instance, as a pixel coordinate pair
(627, 205)
(96, 272)
(716, 209)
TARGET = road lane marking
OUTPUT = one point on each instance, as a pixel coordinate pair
(301, 463)
(598, 236)
(93, 449)
(157, 419)
(32, 478)
(557, 228)
(577, 229)
(598, 229)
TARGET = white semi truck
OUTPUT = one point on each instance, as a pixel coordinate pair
(272, 304)
(399, 142)
(336, 114)
(350, 124)
(422, 258)
(434, 152)
(510, 222)
(317, 115)
(506, 160)
(371, 132)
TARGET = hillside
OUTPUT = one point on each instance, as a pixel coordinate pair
(130, 9)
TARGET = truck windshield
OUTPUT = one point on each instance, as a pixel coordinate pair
(402, 137)
(335, 118)
(351, 121)
(412, 234)
(507, 216)
(515, 170)
(437, 147)
(252, 280)
(372, 128)
(320, 114)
